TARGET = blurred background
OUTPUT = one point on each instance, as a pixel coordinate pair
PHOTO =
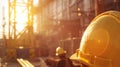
(31, 29)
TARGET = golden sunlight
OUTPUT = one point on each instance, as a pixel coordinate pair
(35, 3)
(21, 14)
(21, 18)
(20, 27)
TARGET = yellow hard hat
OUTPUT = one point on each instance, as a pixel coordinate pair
(100, 44)
(60, 51)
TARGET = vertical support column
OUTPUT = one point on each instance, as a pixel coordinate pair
(30, 28)
(30, 21)
(14, 9)
(9, 23)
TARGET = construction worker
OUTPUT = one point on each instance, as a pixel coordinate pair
(63, 62)
(100, 44)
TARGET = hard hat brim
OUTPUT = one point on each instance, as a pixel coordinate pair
(82, 60)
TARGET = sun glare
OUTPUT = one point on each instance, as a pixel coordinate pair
(21, 14)
(35, 3)
(20, 27)
(22, 18)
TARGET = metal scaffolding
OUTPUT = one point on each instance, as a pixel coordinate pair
(18, 9)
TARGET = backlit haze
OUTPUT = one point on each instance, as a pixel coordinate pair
(21, 20)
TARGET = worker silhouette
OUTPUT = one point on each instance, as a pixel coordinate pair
(64, 61)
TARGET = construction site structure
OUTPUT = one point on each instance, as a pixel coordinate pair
(59, 18)
(19, 42)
